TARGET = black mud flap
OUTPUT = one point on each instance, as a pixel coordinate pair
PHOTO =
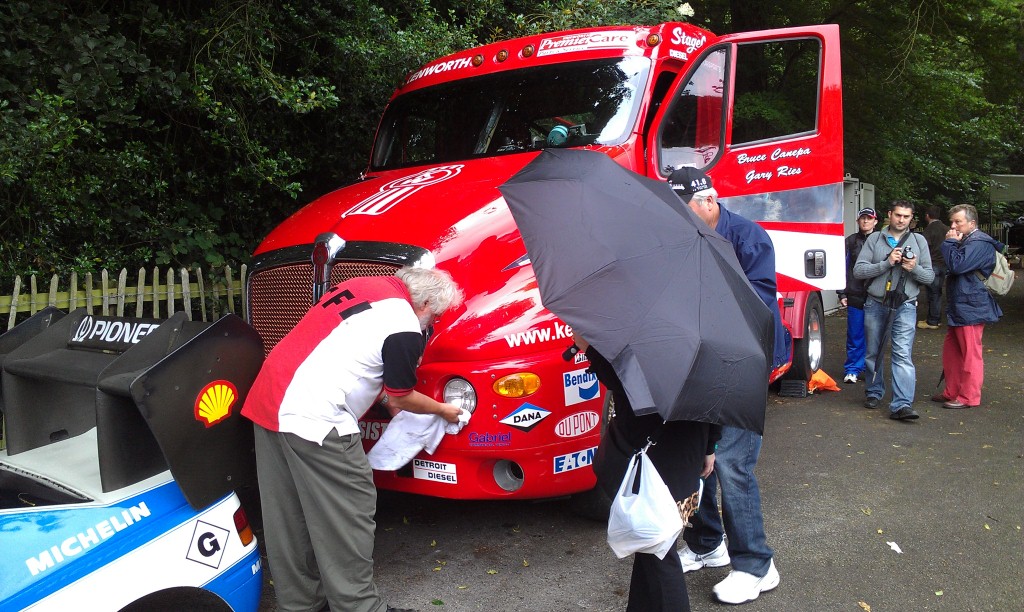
(192, 401)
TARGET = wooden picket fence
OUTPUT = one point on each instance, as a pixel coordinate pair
(158, 294)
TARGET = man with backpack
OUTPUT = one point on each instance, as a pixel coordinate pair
(970, 256)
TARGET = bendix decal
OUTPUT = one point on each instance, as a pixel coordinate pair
(580, 386)
(577, 424)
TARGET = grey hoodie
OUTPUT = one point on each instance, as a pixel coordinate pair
(873, 263)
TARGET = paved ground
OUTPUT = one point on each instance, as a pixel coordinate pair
(840, 483)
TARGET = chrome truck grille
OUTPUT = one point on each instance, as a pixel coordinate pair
(280, 287)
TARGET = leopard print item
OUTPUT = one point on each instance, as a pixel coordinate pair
(687, 507)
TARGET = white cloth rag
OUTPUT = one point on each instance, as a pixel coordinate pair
(407, 434)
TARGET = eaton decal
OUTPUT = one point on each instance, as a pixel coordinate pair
(557, 331)
(92, 536)
(574, 461)
(399, 189)
(577, 424)
(525, 417)
(434, 470)
(580, 386)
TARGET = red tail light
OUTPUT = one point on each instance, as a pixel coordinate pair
(242, 526)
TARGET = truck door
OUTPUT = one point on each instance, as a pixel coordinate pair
(761, 112)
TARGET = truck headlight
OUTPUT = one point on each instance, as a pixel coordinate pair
(460, 392)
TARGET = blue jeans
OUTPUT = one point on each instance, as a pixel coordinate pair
(855, 347)
(934, 291)
(735, 460)
(901, 331)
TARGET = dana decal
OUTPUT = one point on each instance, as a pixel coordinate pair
(525, 417)
(434, 470)
(580, 386)
(577, 424)
(399, 189)
(574, 461)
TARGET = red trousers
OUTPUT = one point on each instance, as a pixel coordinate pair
(962, 363)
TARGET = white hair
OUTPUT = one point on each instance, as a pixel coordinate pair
(431, 285)
(710, 191)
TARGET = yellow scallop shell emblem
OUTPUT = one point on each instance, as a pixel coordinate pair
(215, 401)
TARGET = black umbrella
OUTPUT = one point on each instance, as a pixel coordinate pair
(632, 269)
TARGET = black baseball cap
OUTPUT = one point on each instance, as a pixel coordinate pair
(687, 181)
(867, 212)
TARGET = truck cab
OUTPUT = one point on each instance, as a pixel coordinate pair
(761, 113)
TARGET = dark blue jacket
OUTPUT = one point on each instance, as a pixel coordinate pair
(969, 302)
(756, 254)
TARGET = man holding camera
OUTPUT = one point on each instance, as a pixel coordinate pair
(896, 263)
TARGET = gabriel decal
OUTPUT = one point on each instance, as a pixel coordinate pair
(215, 402)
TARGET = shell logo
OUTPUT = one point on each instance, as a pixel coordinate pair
(215, 401)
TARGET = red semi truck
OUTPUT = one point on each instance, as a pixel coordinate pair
(654, 99)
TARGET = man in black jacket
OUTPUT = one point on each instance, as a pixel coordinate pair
(853, 297)
(934, 232)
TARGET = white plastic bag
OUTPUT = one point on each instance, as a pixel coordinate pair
(647, 522)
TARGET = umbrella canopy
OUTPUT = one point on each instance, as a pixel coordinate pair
(657, 292)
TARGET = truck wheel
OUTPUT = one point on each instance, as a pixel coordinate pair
(595, 503)
(809, 351)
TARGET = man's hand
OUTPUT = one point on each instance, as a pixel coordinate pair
(896, 256)
(449, 412)
(908, 264)
(843, 301)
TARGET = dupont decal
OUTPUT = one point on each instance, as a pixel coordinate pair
(574, 461)
(77, 543)
(438, 68)
(215, 402)
(580, 386)
(207, 546)
(571, 43)
(490, 439)
(399, 189)
(525, 417)
(577, 424)
(434, 470)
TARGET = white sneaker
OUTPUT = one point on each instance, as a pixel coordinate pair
(694, 561)
(850, 379)
(741, 587)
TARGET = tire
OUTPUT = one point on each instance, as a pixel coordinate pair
(809, 351)
(595, 504)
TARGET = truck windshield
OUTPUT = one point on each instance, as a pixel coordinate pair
(509, 112)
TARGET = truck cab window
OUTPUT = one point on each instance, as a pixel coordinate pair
(596, 101)
(776, 90)
(691, 132)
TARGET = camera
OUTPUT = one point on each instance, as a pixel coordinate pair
(908, 253)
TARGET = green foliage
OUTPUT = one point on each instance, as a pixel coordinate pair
(149, 132)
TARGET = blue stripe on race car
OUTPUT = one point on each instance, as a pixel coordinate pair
(241, 585)
(43, 549)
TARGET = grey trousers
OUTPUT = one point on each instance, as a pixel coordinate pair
(318, 507)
